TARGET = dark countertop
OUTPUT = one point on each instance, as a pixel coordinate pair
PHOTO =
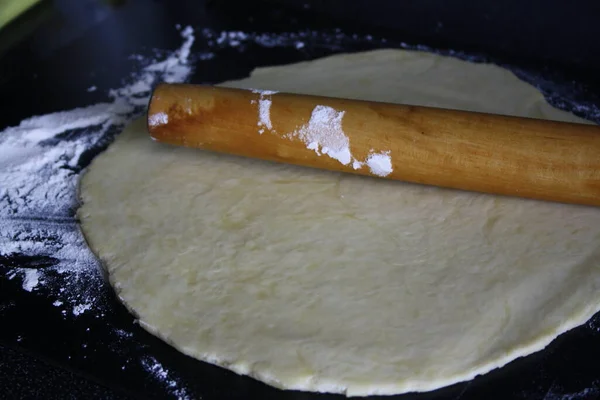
(56, 51)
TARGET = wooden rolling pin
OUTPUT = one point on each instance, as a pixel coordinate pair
(487, 153)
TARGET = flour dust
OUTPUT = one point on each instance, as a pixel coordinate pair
(41, 159)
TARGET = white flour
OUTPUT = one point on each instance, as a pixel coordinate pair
(554, 393)
(264, 113)
(40, 163)
(152, 365)
(264, 109)
(174, 68)
(324, 134)
(157, 119)
(380, 164)
(300, 40)
(31, 280)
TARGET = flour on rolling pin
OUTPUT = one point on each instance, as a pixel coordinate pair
(264, 109)
(380, 163)
(324, 134)
(159, 119)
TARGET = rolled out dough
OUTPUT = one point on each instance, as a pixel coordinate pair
(320, 281)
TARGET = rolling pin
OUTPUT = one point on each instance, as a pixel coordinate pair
(524, 157)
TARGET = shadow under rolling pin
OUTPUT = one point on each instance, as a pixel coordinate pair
(487, 153)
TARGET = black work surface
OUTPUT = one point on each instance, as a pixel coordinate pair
(59, 49)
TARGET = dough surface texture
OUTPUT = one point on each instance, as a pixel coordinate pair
(321, 281)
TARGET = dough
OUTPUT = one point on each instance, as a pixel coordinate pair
(321, 281)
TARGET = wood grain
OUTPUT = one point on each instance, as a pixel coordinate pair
(523, 157)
